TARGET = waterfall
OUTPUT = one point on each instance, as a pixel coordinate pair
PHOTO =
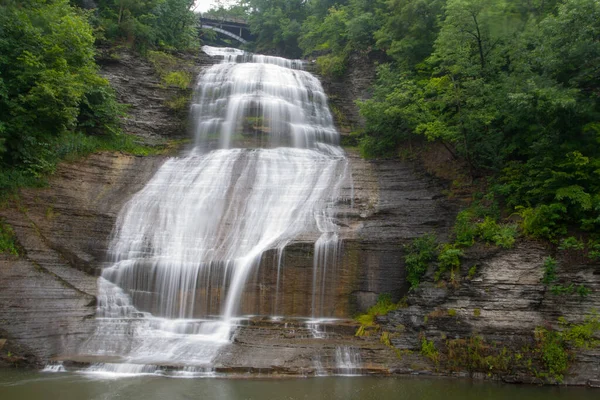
(265, 170)
(347, 361)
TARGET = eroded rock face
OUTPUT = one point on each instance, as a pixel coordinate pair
(48, 294)
(65, 231)
(502, 303)
(139, 86)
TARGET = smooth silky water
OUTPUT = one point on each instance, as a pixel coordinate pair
(265, 170)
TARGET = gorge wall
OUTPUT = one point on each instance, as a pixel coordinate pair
(47, 294)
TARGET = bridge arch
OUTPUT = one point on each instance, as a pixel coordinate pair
(225, 32)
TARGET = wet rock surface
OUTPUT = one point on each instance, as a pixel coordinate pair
(47, 295)
(502, 303)
(138, 85)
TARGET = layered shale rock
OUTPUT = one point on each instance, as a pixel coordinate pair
(502, 303)
(47, 296)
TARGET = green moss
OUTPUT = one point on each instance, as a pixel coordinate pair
(8, 242)
(383, 306)
(429, 350)
(472, 272)
(180, 79)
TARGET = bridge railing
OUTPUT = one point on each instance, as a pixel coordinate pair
(239, 21)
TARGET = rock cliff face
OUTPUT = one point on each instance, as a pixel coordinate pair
(64, 230)
(354, 85)
(47, 295)
(502, 303)
(139, 86)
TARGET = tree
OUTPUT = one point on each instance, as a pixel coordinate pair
(410, 30)
(276, 24)
(48, 80)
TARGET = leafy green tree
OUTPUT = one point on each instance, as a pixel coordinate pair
(410, 30)
(48, 81)
(149, 23)
(276, 24)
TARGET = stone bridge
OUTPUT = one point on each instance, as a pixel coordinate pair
(234, 28)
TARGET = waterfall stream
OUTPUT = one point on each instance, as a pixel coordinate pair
(265, 170)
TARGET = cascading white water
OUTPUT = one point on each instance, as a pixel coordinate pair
(264, 171)
(347, 361)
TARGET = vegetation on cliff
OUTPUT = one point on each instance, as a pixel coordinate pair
(508, 87)
(54, 102)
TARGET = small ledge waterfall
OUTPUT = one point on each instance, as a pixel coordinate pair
(265, 170)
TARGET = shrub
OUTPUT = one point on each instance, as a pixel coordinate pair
(465, 230)
(544, 221)
(448, 259)
(429, 350)
(571, 243)
(383, 306)
(582, 335)
(332, 65)
(419, 254)
(550, 266)
(180, 79)
(8, 242)
(472, 272)
(553, 353)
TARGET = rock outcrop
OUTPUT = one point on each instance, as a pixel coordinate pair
(47, 294)
(502, 303)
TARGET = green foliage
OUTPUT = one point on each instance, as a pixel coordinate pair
(169, 69)
(550, 266)
(549, 359)
(571, 243)
(554, 354)
(508, 87)
(475, 355)
(583, 291)
(550, 279)
(448, 259)
(419, 254)
(429, 350)
(465, 230)
(560, 290)
(472, 272)
(582, 335)
(469, 227)
(49, 87)
(544, 221)
(593, 250)
(383, 306)
(178, 79)
(332, 65)
(276, 25)
(346, 26)
(8, 242)
(147, 24)
(410, 31)
(501, 235)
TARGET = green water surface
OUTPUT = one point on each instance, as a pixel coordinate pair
(27, 385)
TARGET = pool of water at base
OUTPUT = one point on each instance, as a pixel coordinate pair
(29, 385)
